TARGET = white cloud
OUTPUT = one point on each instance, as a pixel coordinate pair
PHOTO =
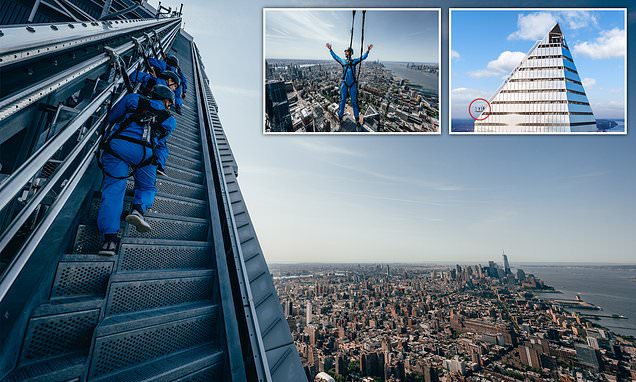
(610, 44)
(455, 54)
(533, 26)
(588, 82)
(503, 65)
(578, 19)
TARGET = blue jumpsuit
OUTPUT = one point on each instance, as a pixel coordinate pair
(349, 83)
(161, 64)
(182, 88)
(113, 189)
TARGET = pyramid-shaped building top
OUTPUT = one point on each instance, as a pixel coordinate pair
(543, 94)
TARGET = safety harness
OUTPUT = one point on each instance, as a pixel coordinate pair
(151, 120)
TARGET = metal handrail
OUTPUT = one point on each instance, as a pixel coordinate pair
(19, 101)
(19, 43)
(13, 184)
(237, 366)
(262, 368)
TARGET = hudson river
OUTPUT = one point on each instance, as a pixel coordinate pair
(611, 287)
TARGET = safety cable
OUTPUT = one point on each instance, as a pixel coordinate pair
(353, 21)
(364, 13)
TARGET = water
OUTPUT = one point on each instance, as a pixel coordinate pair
(613, 288)
(428, 81)
(467, 125)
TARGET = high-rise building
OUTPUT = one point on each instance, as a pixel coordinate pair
(543, 94)
(308, 315)
(506, 264)
(277, 107)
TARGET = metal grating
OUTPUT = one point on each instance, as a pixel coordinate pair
(183, 152)
(121, 350)
(185, 141)
(59, 334)
(135, 257)
(171, 229)
(81, 278)
(134, 296)
(174, 188)
(187, 176)
(211, 373)
(185, 163)
(176, 207)
(87, 239)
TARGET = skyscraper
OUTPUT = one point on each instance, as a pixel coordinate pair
(543, 94)
(277, 107)
(308, 315)
(506, 264)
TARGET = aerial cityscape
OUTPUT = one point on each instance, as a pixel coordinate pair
(303, 96)
(351, 87)
(386, 322)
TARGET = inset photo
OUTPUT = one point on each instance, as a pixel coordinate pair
(351, 71)
(538, 71)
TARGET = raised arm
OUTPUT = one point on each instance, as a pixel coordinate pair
(335, 56)
(364, 56)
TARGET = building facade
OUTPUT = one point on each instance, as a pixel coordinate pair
(543, 94)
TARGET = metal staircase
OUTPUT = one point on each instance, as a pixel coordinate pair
(192, 300)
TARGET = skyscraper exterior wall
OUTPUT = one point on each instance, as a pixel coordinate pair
(543, 94)
(277, 107)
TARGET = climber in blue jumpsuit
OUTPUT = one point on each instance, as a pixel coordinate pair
(349, 80)
(136, 121)
(172, 64)
(171, 80)
(158, 66)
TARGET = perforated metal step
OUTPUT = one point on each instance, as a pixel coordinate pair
(60, 369)
(187, 163)
(60, 328)
(176, 172)
(166, 335)
(178, 228)
(82, 275)
(152, 255)
(204, 363)
(178, 206)
(130, 292)
(180, 188)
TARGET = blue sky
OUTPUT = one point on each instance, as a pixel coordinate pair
(412, 198)
(484, 53)
(396, 35)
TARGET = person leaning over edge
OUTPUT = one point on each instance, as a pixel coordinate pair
(139, 125)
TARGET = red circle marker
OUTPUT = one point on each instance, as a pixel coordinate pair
(487, 114)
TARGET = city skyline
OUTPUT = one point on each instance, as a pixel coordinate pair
(398, 36)
(597, 40)
(542, 198)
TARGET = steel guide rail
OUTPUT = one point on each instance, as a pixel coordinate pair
(237, 366)
(13, 184)
(19, 101)
(256, 339)
(25, 42)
